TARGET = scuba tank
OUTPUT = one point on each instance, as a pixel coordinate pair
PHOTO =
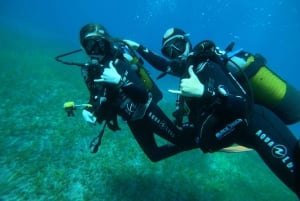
(269, 89)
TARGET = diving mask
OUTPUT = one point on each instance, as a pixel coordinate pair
(95, 45)
(174, 48)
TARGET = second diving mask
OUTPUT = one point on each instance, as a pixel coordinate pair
(174, 48)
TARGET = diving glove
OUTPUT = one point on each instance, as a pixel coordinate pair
(88, 117)
(110, 75)
(132, 44)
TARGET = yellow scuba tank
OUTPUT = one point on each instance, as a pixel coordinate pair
(147, 81)
(145, 78)
(268, 88)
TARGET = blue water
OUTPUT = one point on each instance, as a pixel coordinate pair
(271, 28)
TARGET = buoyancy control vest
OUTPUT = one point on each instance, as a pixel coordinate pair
(126, 53)
(217, 117)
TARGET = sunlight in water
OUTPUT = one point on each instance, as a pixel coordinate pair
(154, 9)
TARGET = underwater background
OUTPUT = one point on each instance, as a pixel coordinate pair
(44, 154)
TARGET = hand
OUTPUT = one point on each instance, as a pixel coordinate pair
(190, 87)
(88, 117)
(132, 44)
(110, 75)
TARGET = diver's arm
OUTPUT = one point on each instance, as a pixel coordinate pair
(155, 153)
(173, 67)
(154, 59)
(151, 57)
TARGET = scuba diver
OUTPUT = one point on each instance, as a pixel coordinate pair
(119, 85)
(268, 88)
(223, 113)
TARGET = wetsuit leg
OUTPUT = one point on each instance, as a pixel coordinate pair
(156, 122)
(297, 161)
(143, 133)
(274, 142)
(165, 128)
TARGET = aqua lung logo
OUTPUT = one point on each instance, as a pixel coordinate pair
(131, 107)
(161, 124)
(278, 150)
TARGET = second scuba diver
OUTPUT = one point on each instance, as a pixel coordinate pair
(269, 89)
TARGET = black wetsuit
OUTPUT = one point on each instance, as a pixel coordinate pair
(287, 109)
(174, 67)
(263, 131)
(125, 100)
(222, 120)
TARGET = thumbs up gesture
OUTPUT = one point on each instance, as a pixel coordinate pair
(190, 87)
